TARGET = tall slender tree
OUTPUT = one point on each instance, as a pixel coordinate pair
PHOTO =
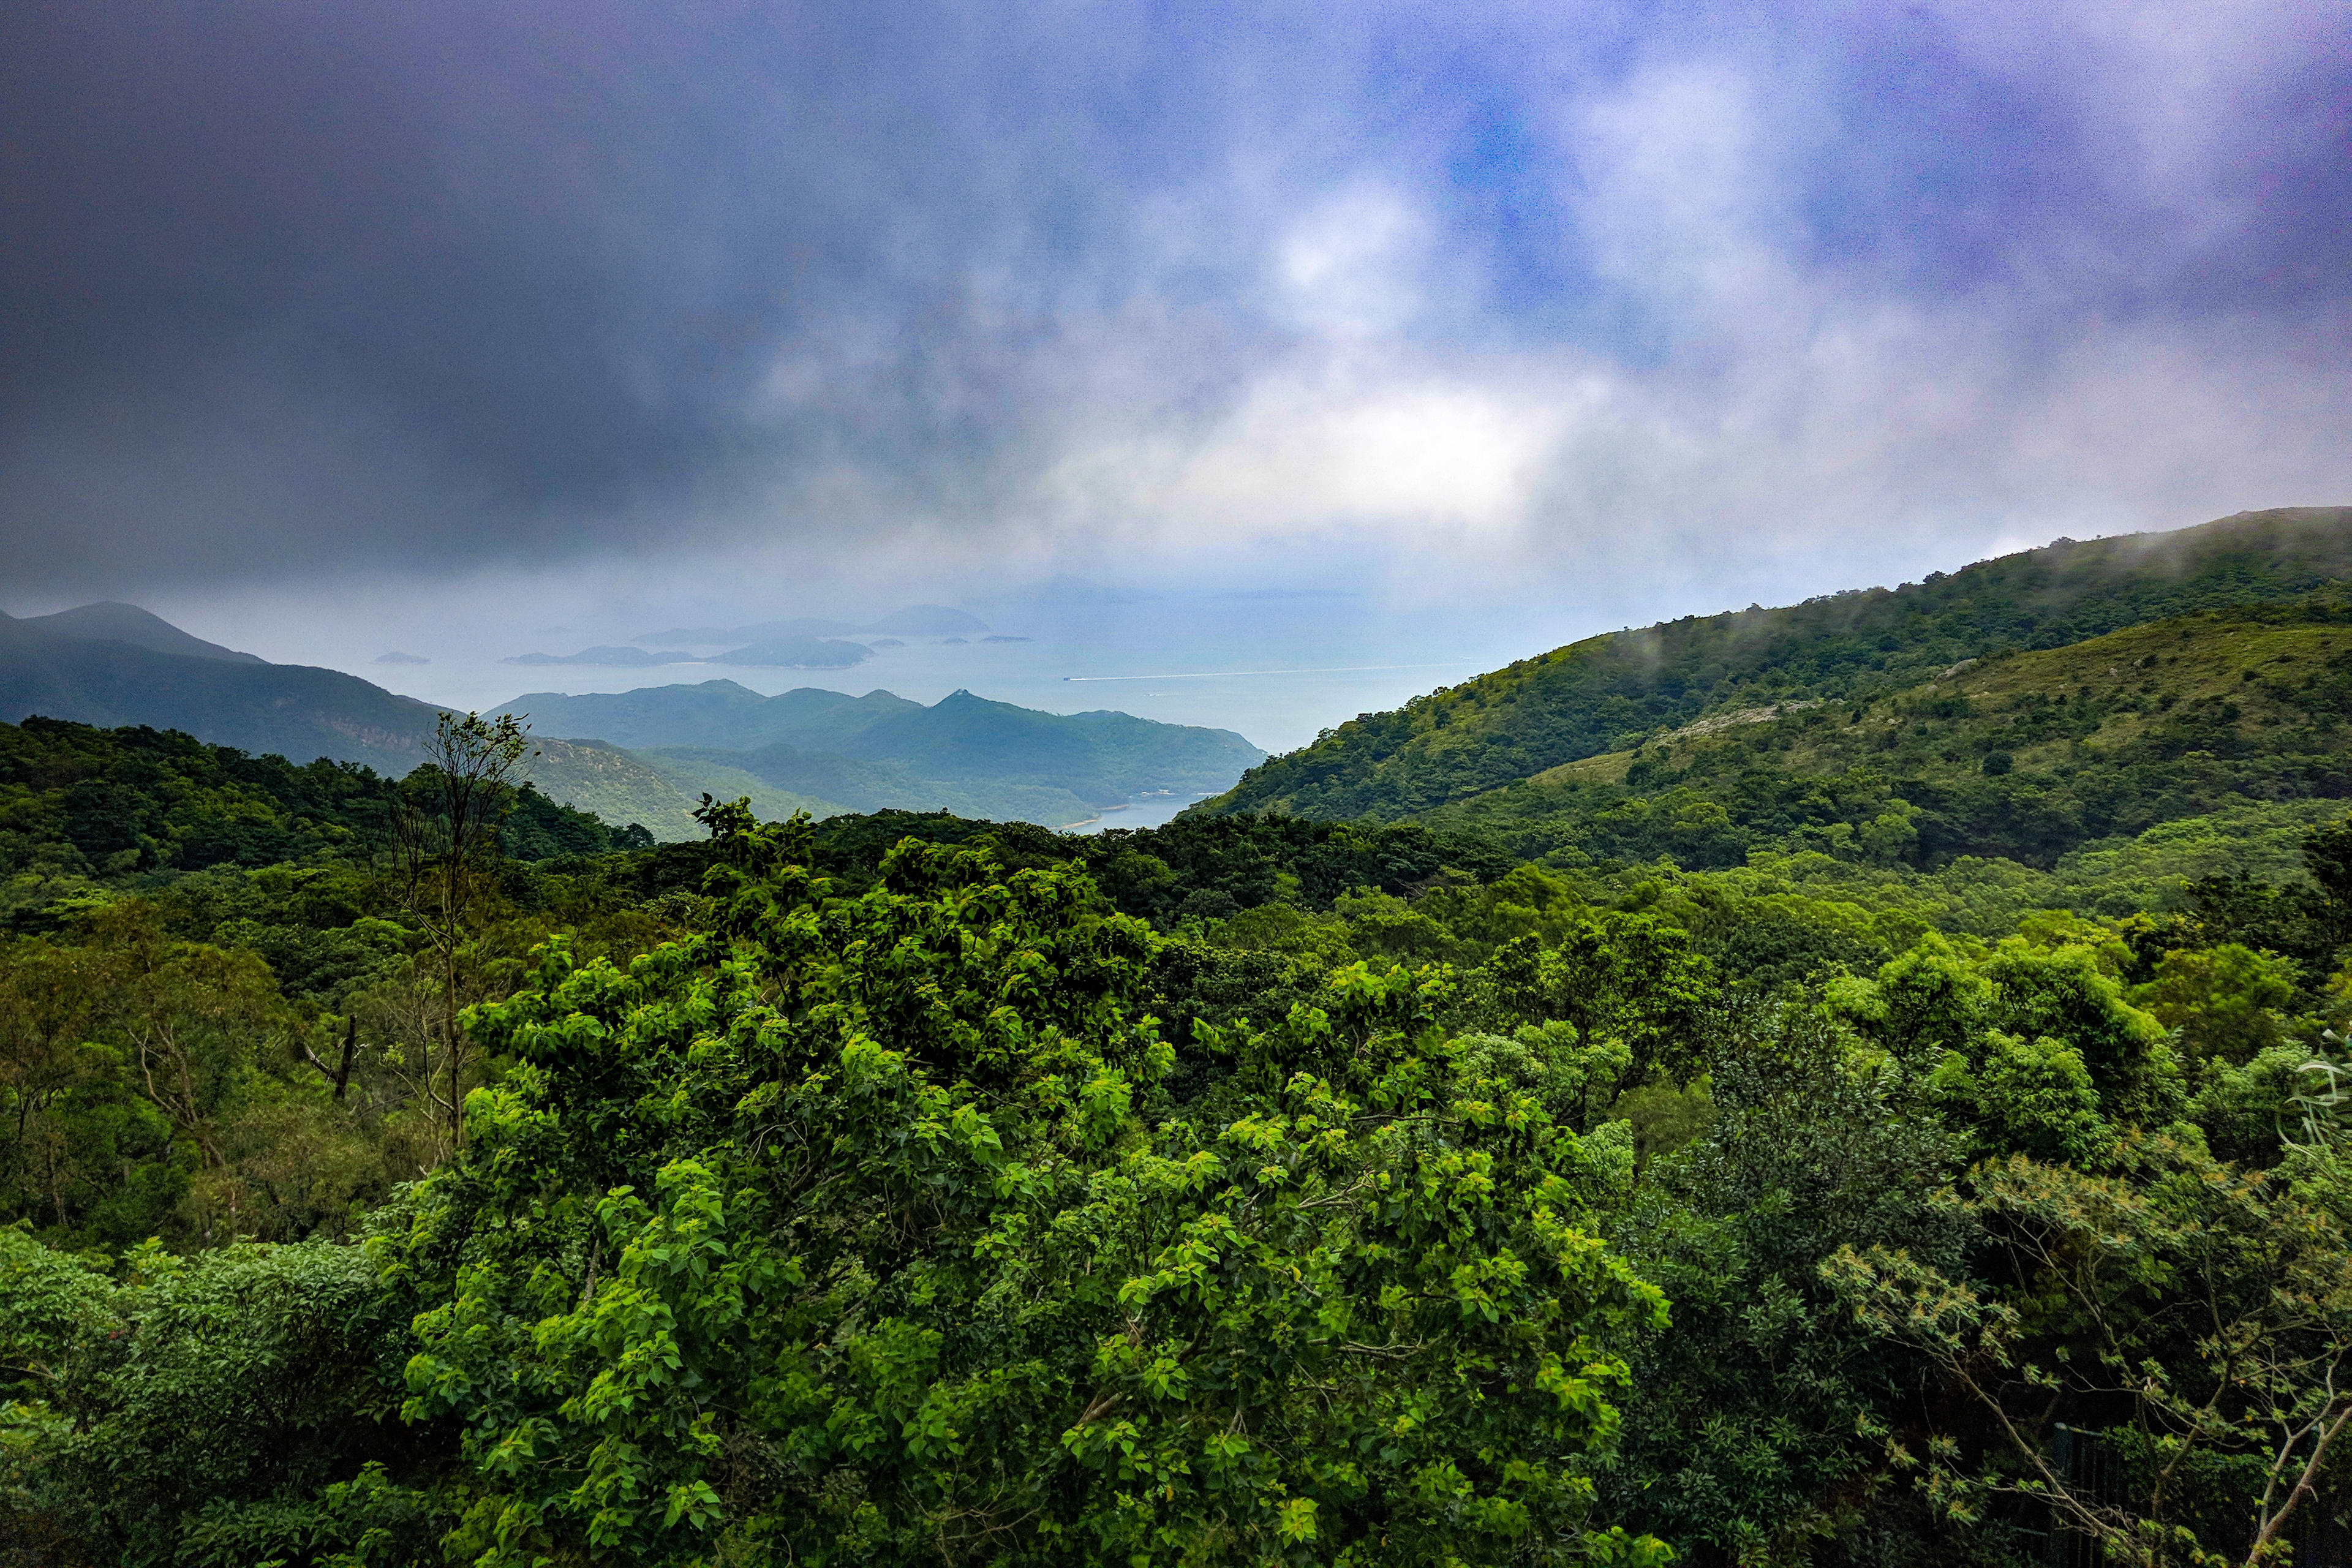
(445, 836)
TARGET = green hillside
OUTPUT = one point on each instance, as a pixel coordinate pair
(79, 803)
(1609, 693)
(779, 780)
(2026, 757)
(617, 785)
(1162, 1098)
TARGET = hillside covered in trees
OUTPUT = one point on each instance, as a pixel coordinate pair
(1623, 690)
(1855, 1116)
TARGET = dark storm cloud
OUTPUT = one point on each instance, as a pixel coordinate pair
(548, 251)
(296, 288)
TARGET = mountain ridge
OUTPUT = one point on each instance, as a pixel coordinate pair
(110, 620)
(825, 751)
(720, 714)
(2025, 758)
(282, 710)
(1099, 757)
(1611, 691)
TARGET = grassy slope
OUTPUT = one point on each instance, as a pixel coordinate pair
(618, 786)
(1604, 693)
(694, 774)
(2107, 737)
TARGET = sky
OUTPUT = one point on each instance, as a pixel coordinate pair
(1450, 331)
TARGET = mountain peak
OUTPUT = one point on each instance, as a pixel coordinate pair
(109, 621)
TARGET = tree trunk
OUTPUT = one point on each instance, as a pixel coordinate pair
(351, 1048)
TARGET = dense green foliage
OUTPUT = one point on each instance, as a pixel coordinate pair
(213, 998)
(1916, 1129)
(101, 804)
(220, 1409)
(898, 1260)
(1613, 693)
(1487, 1213)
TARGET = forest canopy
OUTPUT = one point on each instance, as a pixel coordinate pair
(904, 1188)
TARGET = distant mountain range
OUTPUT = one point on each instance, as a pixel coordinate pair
(825, 751)
(716, 714)
(642, 756)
